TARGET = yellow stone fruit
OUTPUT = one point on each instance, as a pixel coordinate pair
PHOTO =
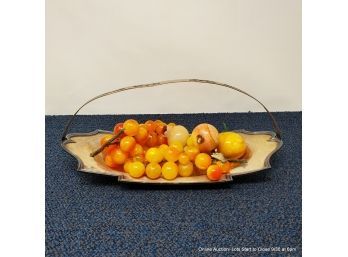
(203, 161)
(171, 154)
(170, 170)
(231, 145)
(177, 145)
(191, 151)
(136, 169)
(126, 165)
(186, 170)
(153, 170)
(184, 158)
(163, 148)
(154, 155)
(191, 141)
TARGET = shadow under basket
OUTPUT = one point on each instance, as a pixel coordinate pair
(261, 144)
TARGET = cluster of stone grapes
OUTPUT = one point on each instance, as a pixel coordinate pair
(155, 149)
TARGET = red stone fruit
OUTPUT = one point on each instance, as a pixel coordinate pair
(162, 139)
(109, 149)
(151, 126)
(152, 139)
(117, 129)
(109, 162)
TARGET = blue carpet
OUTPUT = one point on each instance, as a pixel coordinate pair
(89, 215)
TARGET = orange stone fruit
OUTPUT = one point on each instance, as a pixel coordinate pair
(206, 136)
(214, 172)
(225, 166)
(131, 127)
(118, 156)
(127, 144)
(202, 161)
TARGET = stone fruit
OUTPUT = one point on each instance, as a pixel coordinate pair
(152, 139)
(225, 166)
(206, 136)
(184, 158)
(177, 133)
(153, 170)
(117, 129)
(186, 170)
(202, 161)
(109, 149)
(162, 139)
(126, 165)
(118, 156)
(170, 170)
(171, 154)
(127, 144)
(109, 162)
(105, 138)
(154, 155)
(231, 145)
(191, 151)
(177, 145)
(214, 172)
(150, 125)
(137, 150)
(191, 141)
(131, 127)
(140, 158)
(136, 169)
(163, 148)
(142, 134)
(161, 127)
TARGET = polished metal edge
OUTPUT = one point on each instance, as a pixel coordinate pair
(80, 164)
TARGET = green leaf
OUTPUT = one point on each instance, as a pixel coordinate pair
(225, 126)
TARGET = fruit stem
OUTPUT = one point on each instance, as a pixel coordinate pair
(107, 143)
